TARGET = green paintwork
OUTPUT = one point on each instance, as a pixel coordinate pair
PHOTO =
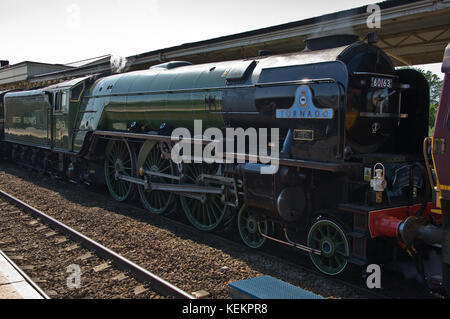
(27, 118)
(173, 94)
(248, 228)
(326, 236)
(157, 202)
(152, 97)
(32, 118)
(119, 158)
(209, 215)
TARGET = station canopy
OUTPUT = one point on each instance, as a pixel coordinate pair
(412, 32)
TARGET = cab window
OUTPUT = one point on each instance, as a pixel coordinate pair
(57, 102)
(64, 96)
(76, 92)
(61, 102)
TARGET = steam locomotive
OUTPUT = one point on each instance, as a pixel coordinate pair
(351, 186)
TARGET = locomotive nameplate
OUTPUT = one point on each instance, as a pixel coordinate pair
(304, 108)
(304, 135)
(382, 83)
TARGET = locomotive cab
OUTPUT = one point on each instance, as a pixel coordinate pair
(381, 104)
(368, 105)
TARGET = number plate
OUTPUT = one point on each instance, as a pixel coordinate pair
(381, 83)
(304, 135)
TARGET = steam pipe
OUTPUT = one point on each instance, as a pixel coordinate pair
(290, 243)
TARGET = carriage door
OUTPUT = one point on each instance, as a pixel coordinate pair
(60, 125)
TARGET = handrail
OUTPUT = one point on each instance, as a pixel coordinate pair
(426, 143)
(215, 88)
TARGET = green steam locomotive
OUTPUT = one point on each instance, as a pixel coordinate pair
(350, 184)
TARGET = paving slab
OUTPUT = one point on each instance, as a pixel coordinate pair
(13, 284)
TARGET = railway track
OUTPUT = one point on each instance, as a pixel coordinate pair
(355, 285)
(293, 262)
(14, 211)
(25, 277)
(299, 261)
(288, 256)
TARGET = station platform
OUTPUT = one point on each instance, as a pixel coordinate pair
(15, 284)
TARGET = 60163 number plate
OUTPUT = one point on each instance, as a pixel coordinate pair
(381, 83)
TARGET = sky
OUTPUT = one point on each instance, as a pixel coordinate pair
(66, 31)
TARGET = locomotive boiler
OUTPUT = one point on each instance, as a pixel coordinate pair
(351, 129)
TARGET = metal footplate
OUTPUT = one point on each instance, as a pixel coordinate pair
(267, 287)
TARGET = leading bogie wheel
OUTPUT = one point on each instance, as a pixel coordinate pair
(328, 237)
(120, 159)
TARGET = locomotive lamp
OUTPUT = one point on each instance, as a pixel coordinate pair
(378, 182)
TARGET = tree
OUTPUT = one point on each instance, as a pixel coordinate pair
(435, 92)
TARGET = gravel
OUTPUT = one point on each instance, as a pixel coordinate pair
(50, 259)
(187, 258)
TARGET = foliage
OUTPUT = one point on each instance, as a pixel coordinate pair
(435, 92)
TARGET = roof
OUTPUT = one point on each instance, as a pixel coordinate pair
(40, 91)
(90, 61)
(33, 63)
(405, 40)
(25, 70)
(67, 84)
(35, 92)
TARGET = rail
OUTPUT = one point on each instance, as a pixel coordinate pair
(138, 272)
